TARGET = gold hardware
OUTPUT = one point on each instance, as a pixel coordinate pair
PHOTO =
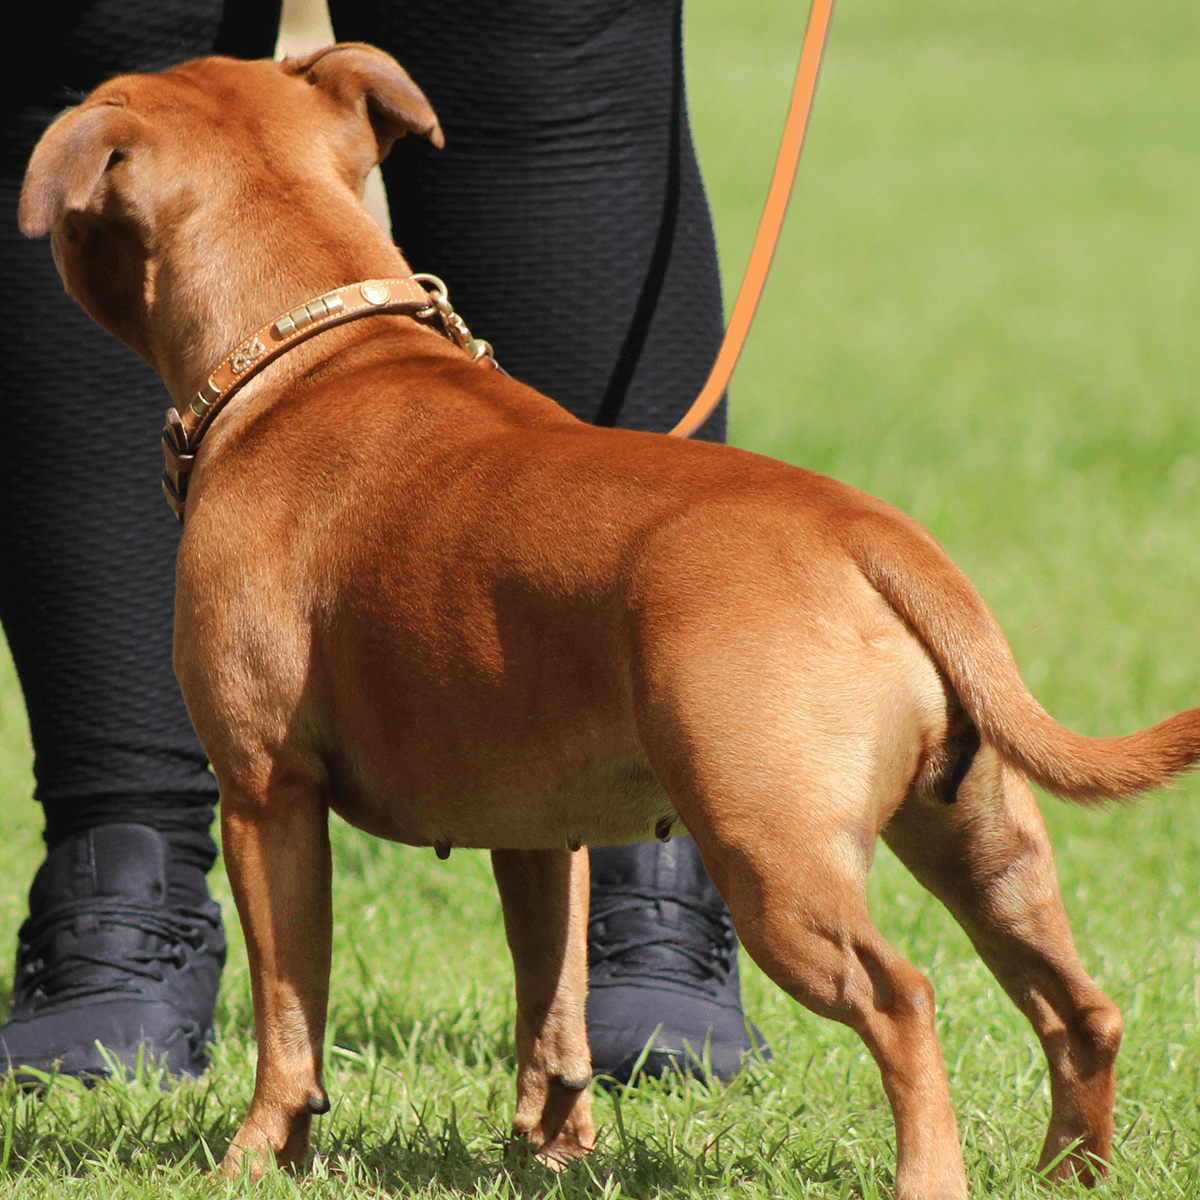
(455, 327)
(243, 358)
(374, 292)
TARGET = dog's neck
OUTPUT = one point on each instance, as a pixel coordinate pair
(204, 299)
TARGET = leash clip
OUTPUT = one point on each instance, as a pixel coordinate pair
(453, 325)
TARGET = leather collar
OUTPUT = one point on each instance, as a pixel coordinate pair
(407, 296)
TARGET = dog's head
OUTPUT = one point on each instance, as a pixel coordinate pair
(155, 179)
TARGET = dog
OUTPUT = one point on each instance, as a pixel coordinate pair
(417, 592)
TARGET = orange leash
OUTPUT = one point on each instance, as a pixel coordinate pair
(770, 225)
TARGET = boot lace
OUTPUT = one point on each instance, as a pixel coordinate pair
(46, 975)
(697, 944)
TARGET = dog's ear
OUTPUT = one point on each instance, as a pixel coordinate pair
(101, 260)
(357, 73)
(68, 165)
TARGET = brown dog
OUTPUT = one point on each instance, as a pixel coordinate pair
(421, 594)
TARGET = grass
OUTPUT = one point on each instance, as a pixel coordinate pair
(984, 310)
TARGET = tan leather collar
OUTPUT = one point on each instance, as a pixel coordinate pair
(407, 296)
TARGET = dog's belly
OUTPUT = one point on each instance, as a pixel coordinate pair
(611, 802)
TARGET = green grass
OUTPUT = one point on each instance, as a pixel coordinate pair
(985, 309)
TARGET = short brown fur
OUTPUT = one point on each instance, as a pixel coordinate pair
(420, 594)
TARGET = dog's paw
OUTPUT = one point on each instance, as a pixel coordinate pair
(259, 1147)
(1070, 1154)
(564, 1133)
(1087, 1169)
(242, 1161)
(557, 1155)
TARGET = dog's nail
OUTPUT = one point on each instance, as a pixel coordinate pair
(317, 1104)
(662, 830)
(442, 849)
(573, 844)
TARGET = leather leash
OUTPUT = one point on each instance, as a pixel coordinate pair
(408, 296)
(769, 226)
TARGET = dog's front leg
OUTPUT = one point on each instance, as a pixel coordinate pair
(277, 854)
(545, 897)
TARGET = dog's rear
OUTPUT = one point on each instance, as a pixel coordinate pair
(488, 607)
(926, 590)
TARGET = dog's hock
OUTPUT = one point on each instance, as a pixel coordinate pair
(67, 170)
(356, 73)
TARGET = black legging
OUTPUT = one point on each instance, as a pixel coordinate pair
(566, 214)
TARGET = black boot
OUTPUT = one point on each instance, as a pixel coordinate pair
(662, 956)
(122, 947)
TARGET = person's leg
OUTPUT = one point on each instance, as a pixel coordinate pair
(567, 216)
(123, 943)
(566, 212)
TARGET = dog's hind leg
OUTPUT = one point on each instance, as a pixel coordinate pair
(985, 854)
(795, 889)
(545, 899)
(277, 853)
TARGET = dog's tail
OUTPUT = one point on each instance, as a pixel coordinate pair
(913, 574)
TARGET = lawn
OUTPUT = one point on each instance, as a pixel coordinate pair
(985, 309)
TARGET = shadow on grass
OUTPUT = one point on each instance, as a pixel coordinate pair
(425, 1159)
(133, 1127)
